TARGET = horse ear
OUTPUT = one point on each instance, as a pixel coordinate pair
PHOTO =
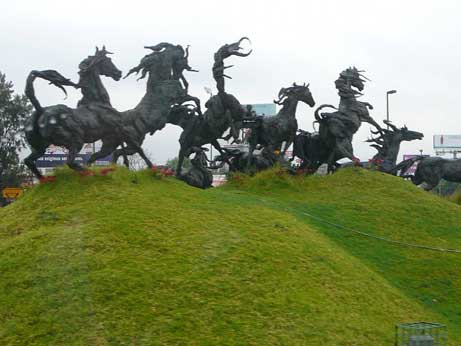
(294, 84)
(308, 85)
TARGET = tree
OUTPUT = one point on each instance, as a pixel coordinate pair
(137, 163)
(172, 163)
(14, 109)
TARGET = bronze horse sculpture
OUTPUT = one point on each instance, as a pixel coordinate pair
(272, 131)
(430, 171)
(337, 129)
(223, 110)
(388, 145)
(93, 119)
(164, 67)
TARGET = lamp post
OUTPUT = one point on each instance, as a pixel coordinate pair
(387, 104)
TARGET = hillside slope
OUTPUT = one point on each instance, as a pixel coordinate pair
(131, 259)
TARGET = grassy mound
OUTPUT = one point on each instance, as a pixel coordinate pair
(130, 259)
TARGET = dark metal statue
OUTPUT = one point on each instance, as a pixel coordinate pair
(222, 111)
(431, 170)
(388, 145)
(337, 129)
(238, 160)
(198, 175)
(164, 67)
(311, 151)
(222, 54)
(271, 131)
(94, 118)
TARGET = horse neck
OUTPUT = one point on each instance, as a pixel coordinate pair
(392, 149)
(92, 89)
(289, 108)
(151, 95)
(347, 101)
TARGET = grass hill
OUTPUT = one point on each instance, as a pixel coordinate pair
(130, 259)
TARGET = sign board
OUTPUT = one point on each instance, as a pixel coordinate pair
(57, 156)
(11, 192)
(447, 142)
(412, 169)
(263, 108)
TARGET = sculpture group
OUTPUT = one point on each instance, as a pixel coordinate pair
(167, 101)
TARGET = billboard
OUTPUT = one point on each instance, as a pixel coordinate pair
(447, 142)
(263, 108)
(57, 156)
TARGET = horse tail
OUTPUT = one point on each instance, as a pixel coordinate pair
(52, 76)
(317, 116)
(405, 165)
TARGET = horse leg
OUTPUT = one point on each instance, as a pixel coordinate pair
(287, 145)
(106, 148)
(125, 157)
(73, 151)
(125, 152)
(144, 157)
(331, 163)
(216, 144)
(431, 178)
(30, 160)
(344, 149)
(180, 161)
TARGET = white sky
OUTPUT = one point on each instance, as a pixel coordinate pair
(412, 46)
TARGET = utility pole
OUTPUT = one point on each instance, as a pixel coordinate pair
(387, 104)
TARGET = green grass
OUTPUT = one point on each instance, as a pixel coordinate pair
(455, 197)
(129, 259)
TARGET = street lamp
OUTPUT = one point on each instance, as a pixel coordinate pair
(387, 104)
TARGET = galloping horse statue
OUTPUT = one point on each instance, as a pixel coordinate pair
(337, 129)
(164, 67)
(430, 171)
(93, 119)
(272, 131)
(223, 110)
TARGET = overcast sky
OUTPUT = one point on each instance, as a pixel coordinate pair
(411, 46)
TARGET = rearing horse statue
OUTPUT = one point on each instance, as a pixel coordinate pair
(93, 119)
(222, 111)
(338, 128)
(164, 67)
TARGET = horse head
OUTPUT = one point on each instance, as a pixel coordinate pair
(100, 64)
(297, 92)
(408, 135)
(352, 78)
(233, 49)
(400, 134)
